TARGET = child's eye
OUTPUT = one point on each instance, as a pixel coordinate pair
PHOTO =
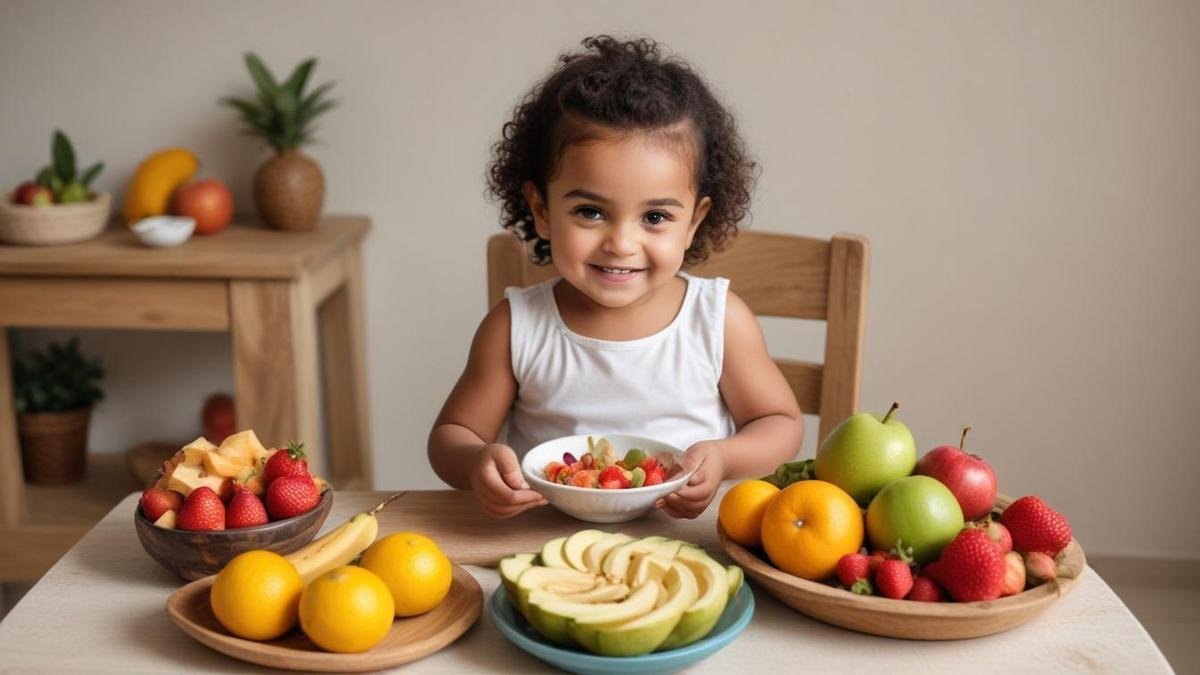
(588, 213)
(657, 218)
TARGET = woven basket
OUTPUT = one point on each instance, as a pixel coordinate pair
(53, 224)
(54, 445)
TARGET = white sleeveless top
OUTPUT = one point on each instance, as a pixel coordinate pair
(663, 386)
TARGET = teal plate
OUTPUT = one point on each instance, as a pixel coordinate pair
(514, 627)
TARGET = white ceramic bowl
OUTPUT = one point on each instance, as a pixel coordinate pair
(161, 231)
(592, 504)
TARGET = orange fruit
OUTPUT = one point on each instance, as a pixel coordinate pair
(347, 609)
(742, 509)
(257, 595)
(414, 569)
(809, 526)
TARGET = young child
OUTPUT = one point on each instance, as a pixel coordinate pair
(618, 169)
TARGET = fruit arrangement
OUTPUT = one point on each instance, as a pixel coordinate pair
(340, 606)
(866, 515)
(235, 485)
(615, 595)
(58, 182)
(600, 468)
(163, 187)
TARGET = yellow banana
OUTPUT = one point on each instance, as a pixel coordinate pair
(338, 546)
(155, 179)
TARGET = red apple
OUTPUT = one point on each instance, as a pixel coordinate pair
(32, 194)
(970, 478)
(218, 418)
(208, 201)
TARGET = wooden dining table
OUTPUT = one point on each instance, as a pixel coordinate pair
(102, 608)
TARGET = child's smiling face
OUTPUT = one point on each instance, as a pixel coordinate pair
(619, 215)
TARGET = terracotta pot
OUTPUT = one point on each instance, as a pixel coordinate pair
(289, 190)
(54, 445)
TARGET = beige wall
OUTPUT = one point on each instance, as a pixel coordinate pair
(1027, 173)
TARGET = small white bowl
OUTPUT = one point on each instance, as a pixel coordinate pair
(592, 504)
(161, 231)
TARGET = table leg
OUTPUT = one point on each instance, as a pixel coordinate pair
(12, 480)
(274, 331)
(343, 360)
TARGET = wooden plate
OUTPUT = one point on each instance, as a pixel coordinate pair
(410, 638)
(905, 618)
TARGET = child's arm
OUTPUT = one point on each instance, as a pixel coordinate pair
(462, 447)
(770, 426)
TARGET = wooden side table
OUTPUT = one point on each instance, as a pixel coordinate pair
(290, 302)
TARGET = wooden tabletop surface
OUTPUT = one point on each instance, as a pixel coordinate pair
(246, 250)
(102, 608)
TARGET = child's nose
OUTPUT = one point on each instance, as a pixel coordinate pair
(621, 240)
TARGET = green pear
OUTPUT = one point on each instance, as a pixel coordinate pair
(866, 452)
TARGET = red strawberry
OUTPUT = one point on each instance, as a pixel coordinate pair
(290, 496)
(925, 589)
(202, 510)
(286, 462)
(1036, 527)
(613, 478)
(893, 579)
(877, 556)
(245, 510)
(157, 501)
(1014, 574)
(970, 568)
(852, 567)
(655, 471)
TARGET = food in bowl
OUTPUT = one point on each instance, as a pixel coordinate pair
(600, 468)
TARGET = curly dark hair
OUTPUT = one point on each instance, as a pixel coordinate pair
(616, 85)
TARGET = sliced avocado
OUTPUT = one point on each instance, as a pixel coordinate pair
(535, 578)
(647, 569)
(602, 593)
(645, 633)
(575, 545)
(593, 557)
(552, 553)
(552, 615)
(510, 569)
(713, 584)
(616, 563)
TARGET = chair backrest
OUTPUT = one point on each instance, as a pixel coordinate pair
(776, 275)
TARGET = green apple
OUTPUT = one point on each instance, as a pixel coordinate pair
(866, 452)
(918, 511)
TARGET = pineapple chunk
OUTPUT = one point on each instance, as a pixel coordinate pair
(185, 478)
(243, 445)
(220, 465)
(167, 520)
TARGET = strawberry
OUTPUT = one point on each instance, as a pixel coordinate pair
(290, 496)
(157, 501)
(614, 478)
(877, 556)
(893, 578)
(244, 510)
(925, 589)
(1036, 527)
(1014, 574)
(289, 462)
(202, 510)
(655, 471)
(970, 568)
(852, 567)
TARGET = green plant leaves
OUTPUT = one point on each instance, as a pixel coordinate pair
(64, 157)
(261, 75)
(283, 114)
(56, 379)
(299, 78)
(43, 176)
(90, 175)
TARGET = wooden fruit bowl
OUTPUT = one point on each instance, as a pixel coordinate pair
(192, 555)
(905, 618)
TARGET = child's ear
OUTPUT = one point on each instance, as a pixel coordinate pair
(698, 215)
(537, 206)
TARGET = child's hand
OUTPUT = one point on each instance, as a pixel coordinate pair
(498, 484)
(691, 500)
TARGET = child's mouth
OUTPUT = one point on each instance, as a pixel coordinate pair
(616, 274)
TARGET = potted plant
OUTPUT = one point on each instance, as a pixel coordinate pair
(289, 187)
(54, 391)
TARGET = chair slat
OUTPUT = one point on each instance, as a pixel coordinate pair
(775, 274)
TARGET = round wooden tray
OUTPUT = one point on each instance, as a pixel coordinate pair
(409, 639)
(905, 618)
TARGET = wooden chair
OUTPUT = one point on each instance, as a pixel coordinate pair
(776, 275)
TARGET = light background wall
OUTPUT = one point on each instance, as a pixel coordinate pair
(1027, 173)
